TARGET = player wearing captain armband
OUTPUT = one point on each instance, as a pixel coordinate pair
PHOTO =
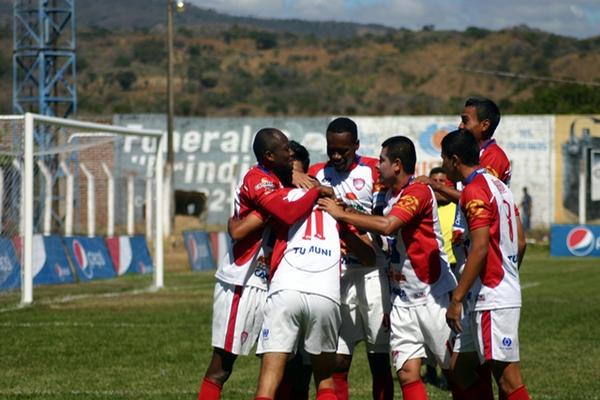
(421, 277)
(490, 278)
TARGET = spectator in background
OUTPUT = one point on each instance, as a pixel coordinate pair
(526, 210)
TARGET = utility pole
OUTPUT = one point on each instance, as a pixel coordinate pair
(169, 184)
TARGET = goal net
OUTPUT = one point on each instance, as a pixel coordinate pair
(69, 211)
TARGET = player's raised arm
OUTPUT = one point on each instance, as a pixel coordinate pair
(449, 192)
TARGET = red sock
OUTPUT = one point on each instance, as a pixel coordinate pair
(326, 394)
(414, 391)
(341, 385)
(263, 398)
(284, 390)
(383, 386)
(520, 394)
(209, 390)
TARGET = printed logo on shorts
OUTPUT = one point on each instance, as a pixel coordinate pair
(244, 337)
(265, 333)
(507, 343)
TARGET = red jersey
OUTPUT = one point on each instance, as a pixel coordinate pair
(261, 192)
(486, 201)
(419, 264)
(495, 161)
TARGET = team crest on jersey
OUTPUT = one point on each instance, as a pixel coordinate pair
(408, 203)
(474, 209)
(265, 184)
(244, 337)
(358, 183)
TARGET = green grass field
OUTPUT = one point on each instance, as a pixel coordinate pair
(117, 340)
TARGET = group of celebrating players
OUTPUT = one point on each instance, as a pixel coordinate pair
(352, 250)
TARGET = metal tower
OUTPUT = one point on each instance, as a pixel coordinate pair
(44, 58)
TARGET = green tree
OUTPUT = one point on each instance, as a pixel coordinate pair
(150, 51)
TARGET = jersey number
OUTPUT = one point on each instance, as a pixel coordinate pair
(508, 217)
(308, 233)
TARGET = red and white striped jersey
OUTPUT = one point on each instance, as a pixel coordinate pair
(359, 188)
(487, 201)
(307, 255)
(419, 265)
(495, 161)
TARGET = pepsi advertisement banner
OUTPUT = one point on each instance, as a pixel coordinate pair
(575, 240)
(130, 254)
(50, 264)
(10, 270)
(197, 245)
(90, 257)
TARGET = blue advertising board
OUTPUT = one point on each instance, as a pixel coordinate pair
(50, 261)
(10, 269)
(90, 257)
(197, 244)
(575, 241)
(130, 254)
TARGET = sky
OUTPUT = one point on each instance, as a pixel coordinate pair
(576, 18)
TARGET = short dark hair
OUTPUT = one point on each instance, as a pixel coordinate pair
(485, 109)
(437, 170)
(343, 124)
(265, 140)
(300, 154)
(402, 148)
(462, 144)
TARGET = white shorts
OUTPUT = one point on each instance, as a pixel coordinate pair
(464, 342)
(497, 334)
(421, 329)
(237, 317)
(290, 315)
(365, 311)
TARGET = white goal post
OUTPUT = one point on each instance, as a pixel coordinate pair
(30, 150)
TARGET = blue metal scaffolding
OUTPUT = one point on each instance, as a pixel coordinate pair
(44, 59)
(44, 74)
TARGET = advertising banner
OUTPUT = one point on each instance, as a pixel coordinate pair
(577, 143)
(575, 240)
(10, 269)
(199, 250)
(50, 263)
(211, 153)
(90, 257)
(129, 254)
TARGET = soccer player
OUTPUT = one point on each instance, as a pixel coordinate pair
(480, 117)
(365, 290)
(491, 273)
(304, 296)
(421, 277)
(240, 291)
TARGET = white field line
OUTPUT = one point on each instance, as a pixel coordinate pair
(530, 285)
(76, 297)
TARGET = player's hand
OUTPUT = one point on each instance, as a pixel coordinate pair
(303, 181)
(453, 316)
(428, 181)
(330, 205)
(326, 192)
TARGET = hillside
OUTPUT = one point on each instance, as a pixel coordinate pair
(244, 66)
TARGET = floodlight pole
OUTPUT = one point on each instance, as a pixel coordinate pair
(169, 184)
